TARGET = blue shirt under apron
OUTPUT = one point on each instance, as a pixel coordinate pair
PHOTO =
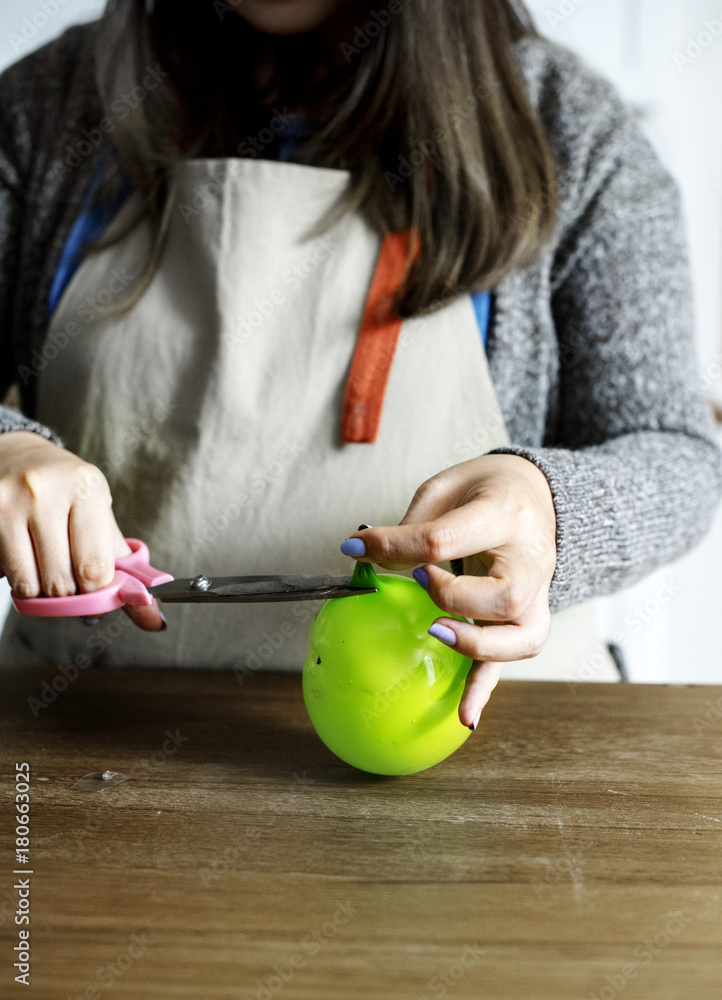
(94, 218)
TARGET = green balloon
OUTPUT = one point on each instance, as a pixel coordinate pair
(383, 694)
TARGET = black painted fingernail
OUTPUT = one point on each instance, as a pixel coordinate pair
(472, 725)
(362, 527)
(163, 618)
(90, 621)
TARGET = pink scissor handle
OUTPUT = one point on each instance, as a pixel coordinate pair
(133, 573)
(138, 565)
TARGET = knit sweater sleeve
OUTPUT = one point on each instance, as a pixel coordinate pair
(13, 200)
(631, 457)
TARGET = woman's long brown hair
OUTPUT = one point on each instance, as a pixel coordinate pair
(420, 100)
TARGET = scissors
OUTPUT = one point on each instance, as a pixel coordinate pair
(136, 582)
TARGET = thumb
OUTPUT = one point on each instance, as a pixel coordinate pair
(151, 618)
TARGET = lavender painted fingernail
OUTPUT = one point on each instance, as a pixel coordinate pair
(443, 633)
(421, 577)
(353, 547)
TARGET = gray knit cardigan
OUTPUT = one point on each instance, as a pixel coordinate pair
(591, 347)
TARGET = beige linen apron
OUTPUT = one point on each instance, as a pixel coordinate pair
(213, 409)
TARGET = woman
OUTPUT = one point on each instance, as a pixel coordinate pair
(215, 217)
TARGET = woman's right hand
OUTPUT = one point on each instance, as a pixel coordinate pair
(58, 535)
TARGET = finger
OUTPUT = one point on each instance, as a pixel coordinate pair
(92, 545)
(52, 554)
(19, 563)
(149, 619)
(499, 596)
(457, 533)
(514, 641)
(480, 682)
(121, 546)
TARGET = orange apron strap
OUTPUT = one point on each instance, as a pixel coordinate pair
(375, 345)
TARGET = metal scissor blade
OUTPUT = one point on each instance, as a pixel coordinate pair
(254, 589)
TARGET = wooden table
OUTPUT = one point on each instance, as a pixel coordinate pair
(572, 848)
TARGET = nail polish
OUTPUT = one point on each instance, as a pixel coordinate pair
(164, 620)
(443, 633)
(362, 527)
(90, 621)
(353, 547)
(421, 577)
(472, 725)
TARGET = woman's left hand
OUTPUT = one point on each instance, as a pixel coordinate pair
(497, 507)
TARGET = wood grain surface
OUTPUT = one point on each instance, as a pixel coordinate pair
(570, 850)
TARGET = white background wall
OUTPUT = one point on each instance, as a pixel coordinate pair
(640, 45)
(668, 64)
(27, 24)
